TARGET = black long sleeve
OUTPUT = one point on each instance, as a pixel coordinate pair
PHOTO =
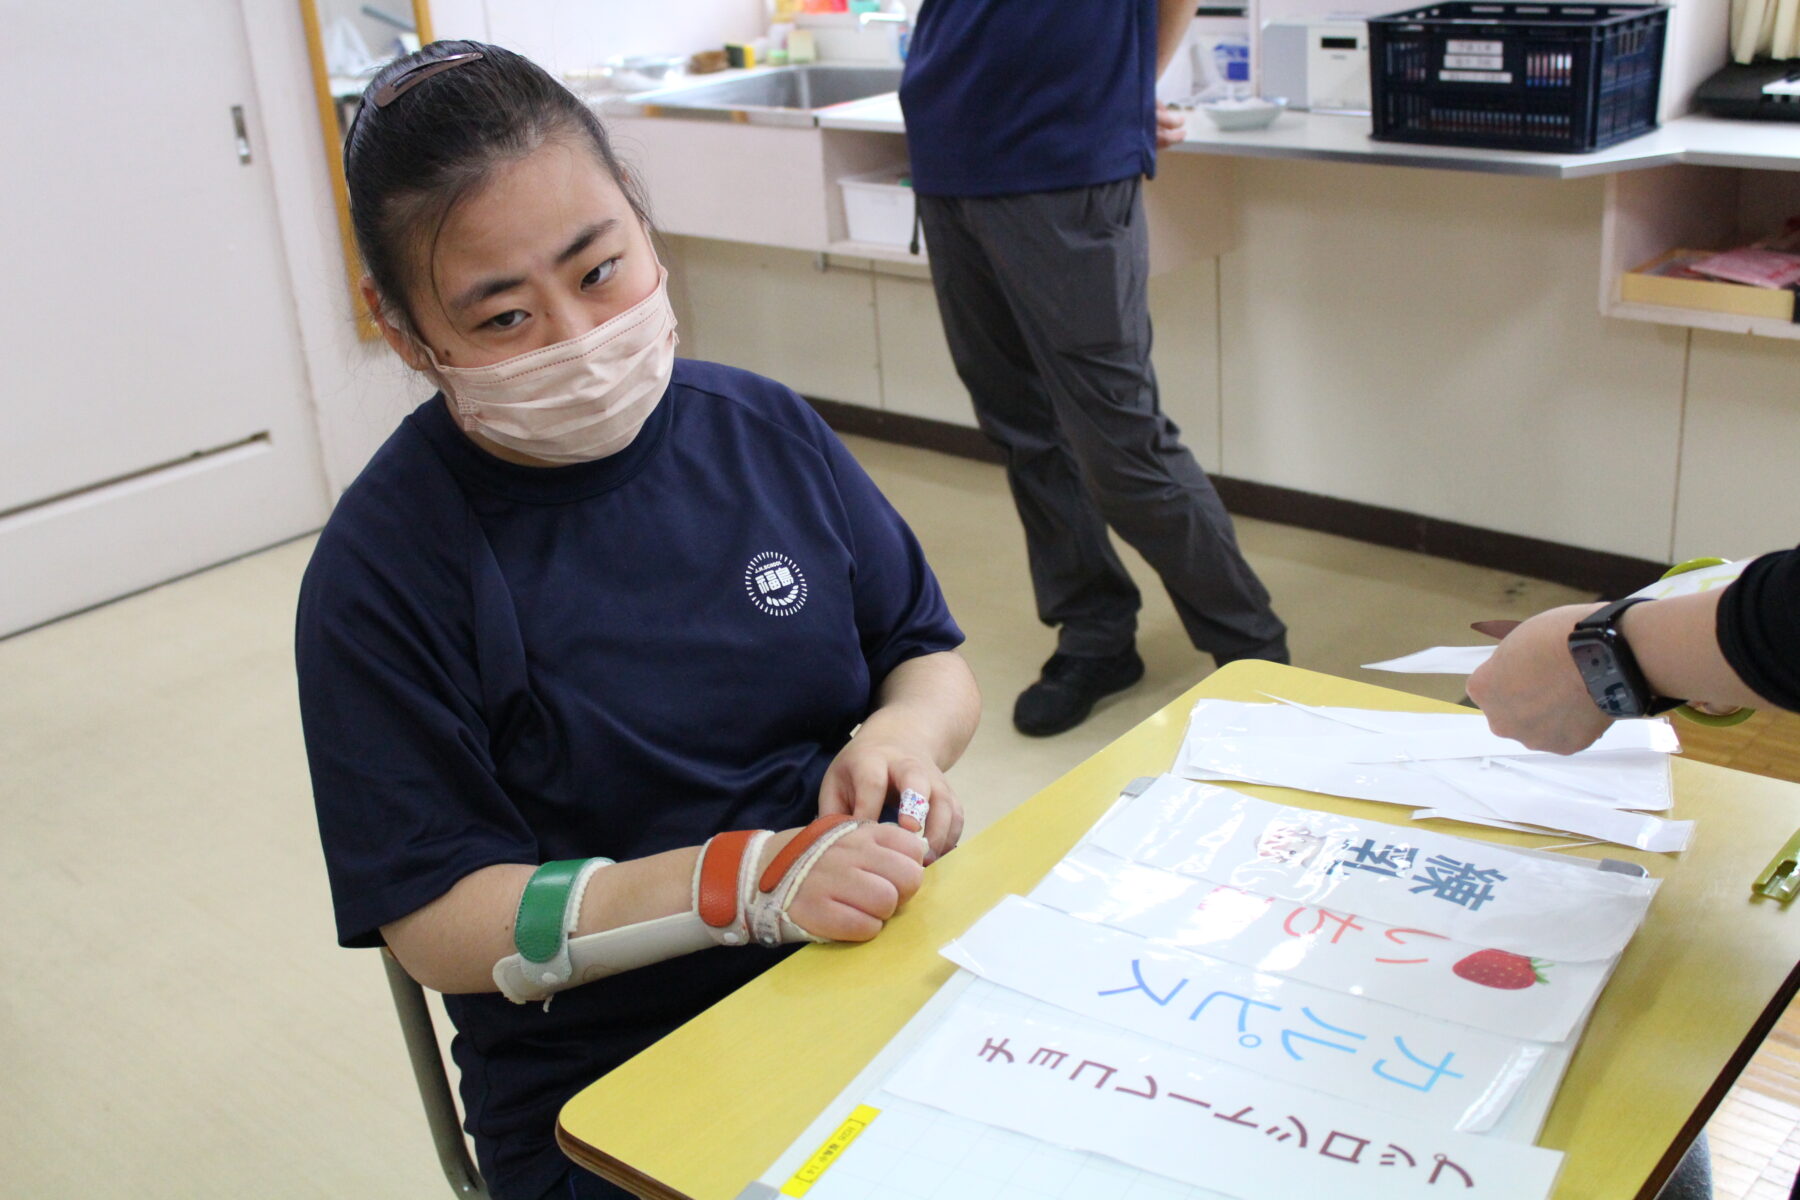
(1759, 627)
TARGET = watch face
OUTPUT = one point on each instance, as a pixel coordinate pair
(1611, 687)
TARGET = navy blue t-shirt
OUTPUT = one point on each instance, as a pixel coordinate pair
(507, 664)
(1004, 97)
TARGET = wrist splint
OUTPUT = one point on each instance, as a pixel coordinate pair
(732, 905)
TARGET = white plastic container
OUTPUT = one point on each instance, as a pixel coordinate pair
(878, 208)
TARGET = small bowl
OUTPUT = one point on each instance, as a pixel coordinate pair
(1233, 116)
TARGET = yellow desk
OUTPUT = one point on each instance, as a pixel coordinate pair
(707, 1109)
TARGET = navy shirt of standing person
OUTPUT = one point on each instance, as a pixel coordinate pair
(1004, 97)
(511, 664)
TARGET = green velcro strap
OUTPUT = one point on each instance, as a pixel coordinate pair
(538, 928)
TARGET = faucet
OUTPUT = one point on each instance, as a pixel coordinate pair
(897, 21)
(864, 20)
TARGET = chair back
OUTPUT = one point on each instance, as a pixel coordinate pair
(433, 1080)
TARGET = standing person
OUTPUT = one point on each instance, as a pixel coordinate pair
(582, 649)
(1031, 126)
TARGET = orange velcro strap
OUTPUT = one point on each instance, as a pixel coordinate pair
(719, 866)
(790, 854)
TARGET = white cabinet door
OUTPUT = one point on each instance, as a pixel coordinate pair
(154, 416)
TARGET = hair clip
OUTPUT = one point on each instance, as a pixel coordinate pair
(410, 78)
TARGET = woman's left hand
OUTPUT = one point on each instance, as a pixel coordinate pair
(874, 768)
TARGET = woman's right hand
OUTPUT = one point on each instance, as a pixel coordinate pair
(858, 884)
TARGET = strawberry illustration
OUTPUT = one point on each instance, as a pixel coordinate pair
(1501, 969)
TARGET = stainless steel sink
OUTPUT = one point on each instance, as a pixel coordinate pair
(778, 96)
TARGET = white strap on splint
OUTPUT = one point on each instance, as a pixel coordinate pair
(768, 906)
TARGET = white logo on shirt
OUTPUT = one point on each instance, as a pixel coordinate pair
(774, 584)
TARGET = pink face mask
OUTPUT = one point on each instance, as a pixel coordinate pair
(578, 400)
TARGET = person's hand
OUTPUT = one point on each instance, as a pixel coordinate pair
(860, 881)
(873, 769)
(1171, 126)
(1531, 691)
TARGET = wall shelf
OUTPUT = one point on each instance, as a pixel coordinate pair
(1695, 182)
(1694, 318)
(1699, 207)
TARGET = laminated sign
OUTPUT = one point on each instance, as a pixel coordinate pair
(1250, 1000)
(1436, 1073)
(1473, 892)
(1526, 996)
(1198, 1121)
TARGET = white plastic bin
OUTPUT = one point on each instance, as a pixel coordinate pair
(878, 208)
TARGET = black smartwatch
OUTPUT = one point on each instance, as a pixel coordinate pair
(1610, 669)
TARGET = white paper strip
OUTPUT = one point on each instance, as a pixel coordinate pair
(1471, 741)
(1474, 892)
(1432, 814)
(1454, 764)
(1437, 786)
(1199, 1122)
(1442, 1075)
(1438, 660)
(1587, 819)
(1495, 990)
(1629, 780)
(1654, 733)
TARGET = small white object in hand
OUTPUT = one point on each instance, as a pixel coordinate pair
(915, 805)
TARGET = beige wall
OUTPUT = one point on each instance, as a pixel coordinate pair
(1430, 341)
(1740, 451)
(1418, 339)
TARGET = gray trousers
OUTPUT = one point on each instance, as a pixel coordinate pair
(1044, 306)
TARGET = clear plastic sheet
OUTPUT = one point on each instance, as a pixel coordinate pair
(1429, 1070)
(1474, 892)
(1196, 1121)
(1496, 990)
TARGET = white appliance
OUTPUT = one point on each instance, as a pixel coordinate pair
(1317, 63)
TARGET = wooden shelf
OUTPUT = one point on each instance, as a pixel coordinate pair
(1695, 318)
(1650, 212)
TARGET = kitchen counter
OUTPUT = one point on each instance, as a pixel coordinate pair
(1439, 344)
(1699, 141)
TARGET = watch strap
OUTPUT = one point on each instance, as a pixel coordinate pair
(1601, 625)
(1602, 617)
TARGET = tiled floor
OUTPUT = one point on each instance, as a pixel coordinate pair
(176, 1020)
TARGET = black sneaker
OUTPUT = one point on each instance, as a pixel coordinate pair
(1068, 688)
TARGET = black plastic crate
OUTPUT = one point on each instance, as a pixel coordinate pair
(1513, 76)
